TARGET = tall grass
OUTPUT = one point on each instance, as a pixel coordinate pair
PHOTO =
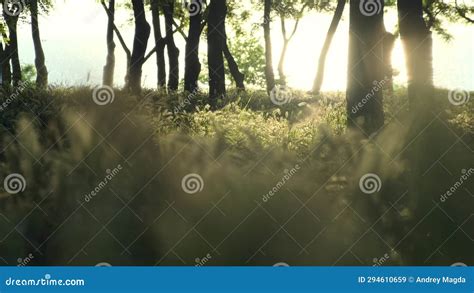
(66, 146)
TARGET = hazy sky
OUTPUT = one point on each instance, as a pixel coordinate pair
(74, 41)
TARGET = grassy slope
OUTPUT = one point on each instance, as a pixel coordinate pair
(63, 144)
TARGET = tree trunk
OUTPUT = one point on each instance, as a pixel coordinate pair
(269, 74)
(173, 51)
(215, 49)
(6, 76)
(41, 70)
(417, 42)
(13, 55)
(238, 76)
(365, 71)
(142, 33)
(109, 68)
(318, 81)
(160, 44)
(192, 64)
(281, 63)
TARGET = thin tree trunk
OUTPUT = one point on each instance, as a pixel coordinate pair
(238, 76)
(142, 33)
(41, 70)
(160, 44)
(365, 72)
(13, 55)
(215, 49)
(122, 43)
(109, 68)
(173, 51)
(269, 74)
(417, 42)
(318, 81)
(6, 77)
(192, 64)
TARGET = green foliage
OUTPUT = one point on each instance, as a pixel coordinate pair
(240, 151)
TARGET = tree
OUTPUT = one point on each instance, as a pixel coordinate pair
(142, 34)
(365, 71)
(417, 43)
(109, 68)
(160, 43)
(269, 73)
(215, 49)
(5, 69)
(11, 12)
(173, 51)
(318, 81)
(192, 64)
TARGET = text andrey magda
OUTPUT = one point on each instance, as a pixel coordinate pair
(458, 280)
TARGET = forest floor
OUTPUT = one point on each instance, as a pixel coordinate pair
(270, 184)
